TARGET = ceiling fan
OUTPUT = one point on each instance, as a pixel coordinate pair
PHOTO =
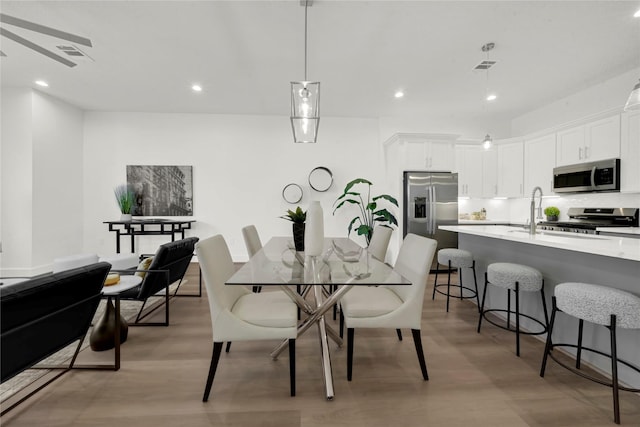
(31, 26)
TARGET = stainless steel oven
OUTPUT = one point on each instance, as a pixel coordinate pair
(603, 175)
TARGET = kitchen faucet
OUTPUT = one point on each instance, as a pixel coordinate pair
(532, 224)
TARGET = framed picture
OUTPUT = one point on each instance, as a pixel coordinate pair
(161, 190)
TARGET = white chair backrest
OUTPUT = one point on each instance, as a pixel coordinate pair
(217, 267)
(251, 240)
(413, 263)
(380, 242)
(73, 261)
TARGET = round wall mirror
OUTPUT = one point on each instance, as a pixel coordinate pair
(292, 193)
(320, 179)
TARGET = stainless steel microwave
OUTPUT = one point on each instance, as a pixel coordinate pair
(603, 175)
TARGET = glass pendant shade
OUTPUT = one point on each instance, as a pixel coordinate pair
(633, 103)
(487, 142)
(305, 110)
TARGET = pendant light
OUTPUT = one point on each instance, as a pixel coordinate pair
(486, 144)
(305, 100)
(633, 103)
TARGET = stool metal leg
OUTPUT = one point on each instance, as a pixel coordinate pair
(484, 297)
(475, 281)
(517, 319)
(544, 307)
(509, 309)
(579, 353)
(435, 283)
(460, 282)
(614, 370)
(547, 347)
(448, 284)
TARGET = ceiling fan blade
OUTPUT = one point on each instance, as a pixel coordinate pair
(16, 38)
(27, 25)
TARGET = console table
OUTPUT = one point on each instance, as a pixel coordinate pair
(147, 227)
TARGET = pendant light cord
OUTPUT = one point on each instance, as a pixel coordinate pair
(306, 5)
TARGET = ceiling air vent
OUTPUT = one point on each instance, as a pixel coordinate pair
(74, 51)
(485, 65)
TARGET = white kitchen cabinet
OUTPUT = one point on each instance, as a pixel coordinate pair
(469, 168)
(592, 141)
(630, 152)
(539, 161)
(490, 173)
(510, 169)
(423, 152)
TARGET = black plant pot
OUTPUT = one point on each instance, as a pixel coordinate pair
(298, 236)
(552, 217)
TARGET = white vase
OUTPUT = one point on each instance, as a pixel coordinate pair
(314, 230)
(125, 217)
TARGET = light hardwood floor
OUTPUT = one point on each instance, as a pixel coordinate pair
(475, 379)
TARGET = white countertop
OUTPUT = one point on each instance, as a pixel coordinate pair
(482, 222)
(620, 230)
(616, 247)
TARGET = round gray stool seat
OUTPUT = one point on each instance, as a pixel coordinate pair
(459, 258)
(596, 304)
(505, 275)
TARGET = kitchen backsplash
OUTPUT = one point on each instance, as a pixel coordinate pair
(517, 210)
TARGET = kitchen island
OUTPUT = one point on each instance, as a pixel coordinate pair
(562, 257)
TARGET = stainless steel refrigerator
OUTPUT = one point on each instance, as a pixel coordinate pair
(430, 200)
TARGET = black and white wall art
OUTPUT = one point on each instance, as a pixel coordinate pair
(161, 190)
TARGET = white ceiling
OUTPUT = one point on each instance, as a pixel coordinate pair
(244, 53)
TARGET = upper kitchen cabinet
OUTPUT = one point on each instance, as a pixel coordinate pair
(630, 152)
(490, 173)
(539, 161)
(422, 152)
(510, 169)
(592, 141)
(469, 168)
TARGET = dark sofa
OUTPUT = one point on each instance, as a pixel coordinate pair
(42, 315)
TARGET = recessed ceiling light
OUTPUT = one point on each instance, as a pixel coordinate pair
(42, 83)
(196, 88)
(637, 14)
(492, 97)
(399, 94)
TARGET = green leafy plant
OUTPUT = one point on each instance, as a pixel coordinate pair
(125, 198)
(370, 212)
(297, 217)
(551, 211)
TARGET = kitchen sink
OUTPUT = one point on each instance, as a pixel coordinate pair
(559, 234)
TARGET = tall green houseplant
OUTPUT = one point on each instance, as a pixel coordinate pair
(370, 211)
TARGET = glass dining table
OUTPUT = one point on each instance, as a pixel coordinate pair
(320, 282)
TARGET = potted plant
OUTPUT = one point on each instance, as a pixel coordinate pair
(370, 212)
(552, 213)
(126, 199)
(297, 217)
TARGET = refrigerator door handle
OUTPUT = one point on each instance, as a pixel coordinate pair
(432, 207)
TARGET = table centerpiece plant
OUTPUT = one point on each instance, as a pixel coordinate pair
(126, 199)
(370, 211)
(298, 218)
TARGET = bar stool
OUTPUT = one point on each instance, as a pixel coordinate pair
(456, 258)
(600, 305)
(517, 278)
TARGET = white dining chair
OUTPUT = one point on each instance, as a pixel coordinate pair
(380, 242)
(394, 307)
(253, 244)
(238, 314)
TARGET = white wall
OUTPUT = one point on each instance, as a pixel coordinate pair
(240, 166)
(41, 181)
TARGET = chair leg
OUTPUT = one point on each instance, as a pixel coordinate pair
(475, 282)
(349, 353)
(341, 324)
(417, 340)
(217, 349)
(435, 284)
(226, 350)
(547, 347)
(460, 282)
(448, 285)
(484, 297)
(517, 319)
(579, 351)
(614, 370)
(292, 365)
(399, 332)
